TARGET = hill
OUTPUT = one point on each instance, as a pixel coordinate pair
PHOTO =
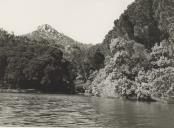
(139, 55)
(45, 60)
(145, 21)
(47, 32)
(31, 64)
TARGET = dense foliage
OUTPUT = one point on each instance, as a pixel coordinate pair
(84, 58)
(27, 64)
(46, 60)
(134, 72)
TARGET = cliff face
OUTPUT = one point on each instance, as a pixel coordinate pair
(140, 47)
(145, 21)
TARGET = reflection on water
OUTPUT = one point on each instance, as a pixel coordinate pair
(79, 111)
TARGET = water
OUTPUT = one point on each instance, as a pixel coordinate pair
(82, 112)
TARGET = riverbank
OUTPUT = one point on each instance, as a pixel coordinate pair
(169, 100)
(166, 100)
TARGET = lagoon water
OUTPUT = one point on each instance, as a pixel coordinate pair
(75, 111)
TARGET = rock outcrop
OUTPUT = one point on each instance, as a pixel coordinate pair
(145, 21)
(139, 49)
(48, 33)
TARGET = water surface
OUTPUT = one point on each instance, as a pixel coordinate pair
(82, 112)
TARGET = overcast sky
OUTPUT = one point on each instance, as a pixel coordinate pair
(87, 21)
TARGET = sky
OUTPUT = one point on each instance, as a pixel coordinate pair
(87, 21)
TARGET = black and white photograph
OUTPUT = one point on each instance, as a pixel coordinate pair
(87, 63)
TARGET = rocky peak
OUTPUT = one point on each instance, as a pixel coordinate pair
(47, 29)
(47, 32)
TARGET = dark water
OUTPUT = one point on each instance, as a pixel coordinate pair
(82, 112)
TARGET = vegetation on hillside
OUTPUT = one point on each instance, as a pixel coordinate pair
(139, 55)
(133, 72)
(45, 64)
(27, 64)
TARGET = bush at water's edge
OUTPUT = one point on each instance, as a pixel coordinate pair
(134, 73)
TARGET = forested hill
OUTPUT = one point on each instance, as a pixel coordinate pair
(139, 53)
(30, 64)
(45, 60)
(85, 58)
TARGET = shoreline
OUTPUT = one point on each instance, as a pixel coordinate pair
(154, 99)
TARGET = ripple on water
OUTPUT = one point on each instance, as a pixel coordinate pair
(45, 110)
(81, 112)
